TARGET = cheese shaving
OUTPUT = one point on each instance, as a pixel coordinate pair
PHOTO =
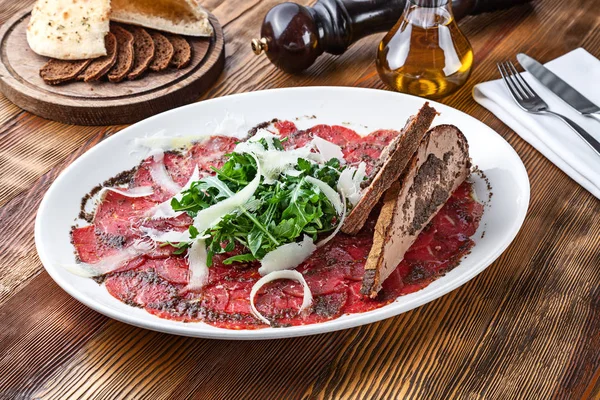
(198, 267)
(168, 236)
(328, 150)
(288, 256)
(164, 209)
(331, 194)
(230, 125)
(350, 182)
(273, 162)
(112, 262)
(140, 191)
(276, 275)
(159, 173)
(339, 225)
(159, 141)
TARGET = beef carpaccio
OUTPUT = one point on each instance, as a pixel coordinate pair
(156, 280)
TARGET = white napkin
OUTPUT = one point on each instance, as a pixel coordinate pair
(550, 136)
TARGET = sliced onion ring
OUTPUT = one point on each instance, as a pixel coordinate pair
(273, 276)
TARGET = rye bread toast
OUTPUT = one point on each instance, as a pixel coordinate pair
(182, 52)
(394, 158)
(55, 71)
(100, 66)
(124, 61)
(164, 51)
(143, 51)
(440, 164)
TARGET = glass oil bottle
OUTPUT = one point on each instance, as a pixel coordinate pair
(425, 54)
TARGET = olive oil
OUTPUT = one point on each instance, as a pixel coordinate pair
(425, 54)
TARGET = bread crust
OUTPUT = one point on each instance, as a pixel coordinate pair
(100, 67)
(124, 61)
(164, 52)
(396, 157)
(143, 51)
(182, 52)
(55, 71)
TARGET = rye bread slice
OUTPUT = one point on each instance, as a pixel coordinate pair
(440, 164)
(143, 51)
(56, 71)
(124, 61)
(163, 54)
(100, 66)
(182, 52)
(395, 158)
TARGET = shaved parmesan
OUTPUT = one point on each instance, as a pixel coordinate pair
(331, 194)
(168, 236)
(160, 175)
(164, 209)
(112, 262)
(198, 266)
(267, 135)
(328, 150)
(288, 256)
(159, 141)
(350, 182)
(140, 191)
(339, 225)
(231, 125)
(275, 275)
(273, 162)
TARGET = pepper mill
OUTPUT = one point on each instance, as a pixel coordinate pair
(294, 36)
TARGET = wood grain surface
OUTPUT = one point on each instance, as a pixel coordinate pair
(528, 327)
(103, 102)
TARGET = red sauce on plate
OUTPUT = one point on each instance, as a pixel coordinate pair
(156, 281)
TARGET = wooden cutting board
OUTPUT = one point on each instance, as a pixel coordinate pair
(103, 103)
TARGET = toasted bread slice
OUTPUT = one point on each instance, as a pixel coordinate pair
(55, 71)
(183, 52)
(394, 158)
(163, 52)
(185, 17)
(143, 51)
(439, 166)
(100, 66)
(124, 61)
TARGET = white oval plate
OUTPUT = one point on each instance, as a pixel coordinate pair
(367, 110)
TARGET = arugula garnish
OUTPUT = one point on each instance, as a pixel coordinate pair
(278, 213)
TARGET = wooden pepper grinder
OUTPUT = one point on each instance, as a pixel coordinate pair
(294, 36)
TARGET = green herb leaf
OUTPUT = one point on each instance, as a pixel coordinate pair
(239, 258)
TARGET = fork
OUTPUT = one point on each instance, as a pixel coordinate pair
(529, 101)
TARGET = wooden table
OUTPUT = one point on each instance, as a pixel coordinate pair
(529, 326)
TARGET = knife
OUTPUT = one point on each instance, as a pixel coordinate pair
(559, 87)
